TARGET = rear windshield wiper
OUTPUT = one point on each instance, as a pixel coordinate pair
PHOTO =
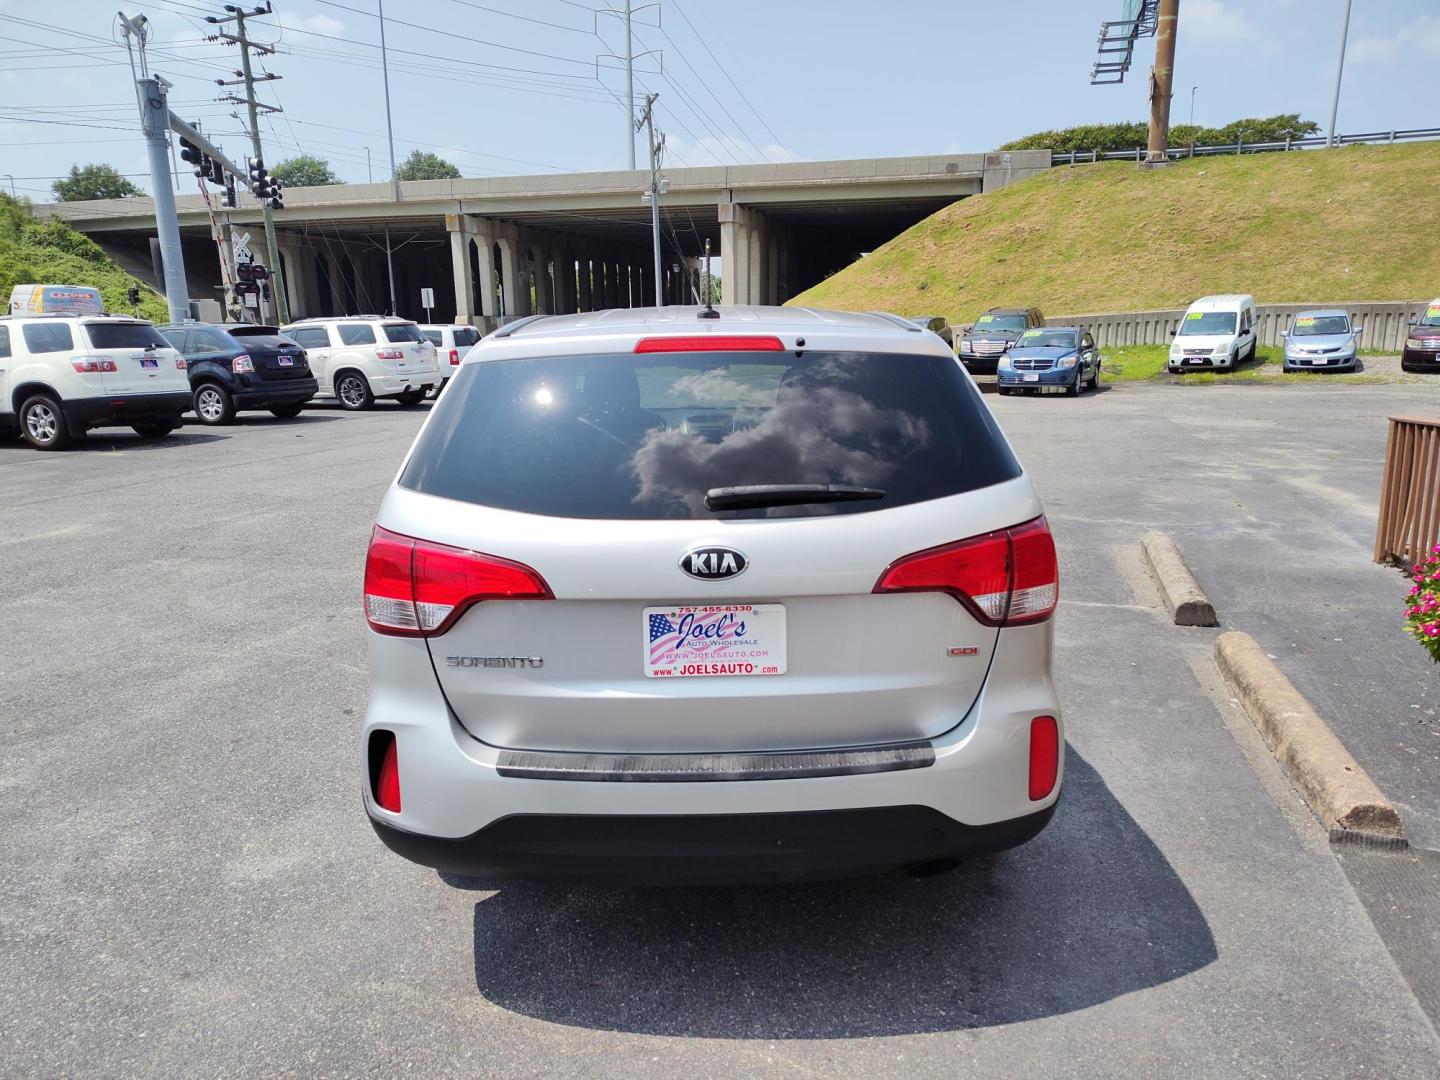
(750, 496)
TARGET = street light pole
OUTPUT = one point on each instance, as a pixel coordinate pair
(1339, 71)
(394, 177)
(1192, 105)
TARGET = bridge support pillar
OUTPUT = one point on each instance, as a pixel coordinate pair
(745, 240)
(510, 284)
(461, 242)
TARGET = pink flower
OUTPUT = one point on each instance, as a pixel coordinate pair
(1414, 589)
(1432, 629)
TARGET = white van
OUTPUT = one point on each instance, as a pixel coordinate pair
(1216, 332)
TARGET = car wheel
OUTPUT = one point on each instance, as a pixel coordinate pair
(1073, 390)
(352, 390)
(1004, 391)
(42, 424)
(213, 404)
(411, 397)
(1095, 378)
(285, 412)
(154, 429)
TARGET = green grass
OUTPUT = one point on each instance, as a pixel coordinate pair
(1146, 363)
(1356, 223)
(52, 253)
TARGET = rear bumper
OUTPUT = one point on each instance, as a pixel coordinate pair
(687, 849)
(81, 414)
(262, 395)
(389, 385)
(456, 791)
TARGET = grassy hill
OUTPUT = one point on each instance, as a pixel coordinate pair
(1358, 223)
(51, 252)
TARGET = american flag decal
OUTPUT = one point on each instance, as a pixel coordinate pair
(659, 627)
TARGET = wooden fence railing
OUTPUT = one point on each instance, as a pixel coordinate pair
(1410, 492)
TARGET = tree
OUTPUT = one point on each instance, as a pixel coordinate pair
(422, 165)
(93, 182)
(1118, 137)
(305, 170)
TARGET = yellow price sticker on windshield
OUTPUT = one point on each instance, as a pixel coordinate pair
(984, 319)
(1308, 320)
(1195, 315)
(1432, 311)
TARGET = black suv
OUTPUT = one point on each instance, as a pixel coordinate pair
(240, 366)
(992, 334)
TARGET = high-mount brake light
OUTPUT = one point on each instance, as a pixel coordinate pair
(1006, 578)
(415, 588)
(711, 343)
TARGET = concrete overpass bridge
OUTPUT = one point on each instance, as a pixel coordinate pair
(508, 246)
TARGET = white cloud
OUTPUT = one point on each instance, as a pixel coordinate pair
(319, 24)
(1422, 35)
(726, 150)
(1211, 20)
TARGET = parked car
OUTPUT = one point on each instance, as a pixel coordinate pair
(358, 358)
(808, 613)
(240, 366)
(1422, 343)
(451, 343)
(1320, 340)
(62, 375)
(1215, 332)
(937, 324)
(1050, 359)
(991, 336)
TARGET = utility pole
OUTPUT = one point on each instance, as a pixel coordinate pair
(648, 121)
(1162, 78)
(627, 15)
(1339, 70)
(1192, 105)
(247, 77)
(394, 175)
(630, 91)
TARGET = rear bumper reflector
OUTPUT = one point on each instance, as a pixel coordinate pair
(691, 768)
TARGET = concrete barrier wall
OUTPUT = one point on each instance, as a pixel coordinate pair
(1385, 323)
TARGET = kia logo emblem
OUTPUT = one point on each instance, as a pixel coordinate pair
(713, 563)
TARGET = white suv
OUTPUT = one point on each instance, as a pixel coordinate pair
(673, 598)
(61, 375)
(359, 358)
(451, 343)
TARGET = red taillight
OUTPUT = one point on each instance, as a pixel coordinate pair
(180, 364)
(1005, 578)
(390, 354)
(711, 343)
(1044, 756)
(90, 365)
(414, 588)
(454, 357)
(387, 784)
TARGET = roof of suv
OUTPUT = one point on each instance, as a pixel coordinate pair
(736, 318)
(350, 318)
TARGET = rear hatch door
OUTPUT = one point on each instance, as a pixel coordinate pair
(144, 361)
(677, 628)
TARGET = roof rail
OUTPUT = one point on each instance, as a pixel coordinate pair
(510, 328)
(898, 320)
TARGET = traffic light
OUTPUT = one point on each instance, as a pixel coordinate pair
(230, 200)
(189, 152)
(259, 179)
(277, 195)
(133, 296)
(217, 173)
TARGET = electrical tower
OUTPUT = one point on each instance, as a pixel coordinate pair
(266, 190)
(627, 14)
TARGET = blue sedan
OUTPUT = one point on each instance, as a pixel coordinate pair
(1051, 360)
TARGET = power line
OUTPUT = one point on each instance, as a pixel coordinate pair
(706, 45)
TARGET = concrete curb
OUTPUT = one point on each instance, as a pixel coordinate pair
(1337, 790)
(1184, 599)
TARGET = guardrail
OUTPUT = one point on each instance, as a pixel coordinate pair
(1385, 324)
(1175, 153)
(1409, 523)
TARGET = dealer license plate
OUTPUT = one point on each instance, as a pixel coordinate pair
(714, 640)
(149, 362)
(287, 361)
(1030, 378)
(1319, 362)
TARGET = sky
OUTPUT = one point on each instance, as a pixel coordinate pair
(525, 86)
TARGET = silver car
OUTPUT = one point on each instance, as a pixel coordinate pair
(661, 596)
(1321, 340)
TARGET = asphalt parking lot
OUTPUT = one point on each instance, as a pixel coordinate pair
(191, 886)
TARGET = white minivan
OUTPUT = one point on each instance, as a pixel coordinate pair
(1216, 332)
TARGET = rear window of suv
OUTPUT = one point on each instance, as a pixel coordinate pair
(262, 337)
(645, 437)
(402, 332)
(125, 336)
